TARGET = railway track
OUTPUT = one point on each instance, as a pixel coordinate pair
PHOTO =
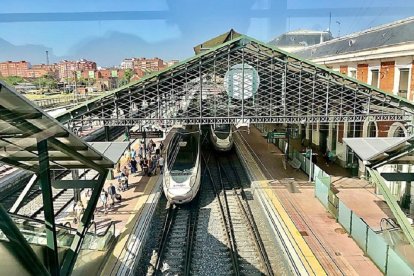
(251, 257)
(216, 234)
(175, 247)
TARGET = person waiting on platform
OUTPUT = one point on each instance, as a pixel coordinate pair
(329, 157)
(78, 211)
(133, 153)
(125, 175)
(112, 193)
(145, 166)
(133, 164)
(104, 199)
(161, 164)
(161, 146)
(141, 151)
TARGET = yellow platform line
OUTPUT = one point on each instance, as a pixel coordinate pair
(308, 258)
(306, 255)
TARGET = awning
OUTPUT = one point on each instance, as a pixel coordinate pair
(23, 125)
(111, 150)
(381, 150)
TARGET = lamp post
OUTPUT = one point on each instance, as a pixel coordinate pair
(310, 165)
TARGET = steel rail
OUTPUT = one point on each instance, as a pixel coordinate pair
(249, 218)
(191, 230)
(229, 232)
(169, 219)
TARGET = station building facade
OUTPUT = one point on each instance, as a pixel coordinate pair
(382, 57)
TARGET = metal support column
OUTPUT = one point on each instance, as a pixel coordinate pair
(72, 254)
(45, 184)
(19, 246)
(107, 138)
(76, 192)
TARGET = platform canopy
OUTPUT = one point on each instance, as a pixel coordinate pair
(241, 80)
(111, 150)
(378, 151)
(23, 125)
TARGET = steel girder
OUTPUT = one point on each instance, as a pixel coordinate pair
(19, 246)
(242, 80)
(49, 213)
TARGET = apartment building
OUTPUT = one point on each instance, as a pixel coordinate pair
(144, 64)
(68, 68)
(14, 68)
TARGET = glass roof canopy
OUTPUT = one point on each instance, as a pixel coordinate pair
(23, 125)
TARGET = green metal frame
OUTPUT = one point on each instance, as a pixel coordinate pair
(395, 208)
(158, 85)
(70, 152)
(71, 255)
(19, 246)
(45, 184)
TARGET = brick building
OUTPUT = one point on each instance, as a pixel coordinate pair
(25, 70)
(14, 68)
(68, 68)
(382, 57)
(144, 64)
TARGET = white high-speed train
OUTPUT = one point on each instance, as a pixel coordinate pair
(182, 171)
(221, 137)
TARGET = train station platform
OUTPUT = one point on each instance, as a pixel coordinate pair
(336, 252)
(123, 217)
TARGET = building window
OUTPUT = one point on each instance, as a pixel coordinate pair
(375, 78)
(372, 130)
(352, 73)
(403, 85)
(399, 132)
(354, 129)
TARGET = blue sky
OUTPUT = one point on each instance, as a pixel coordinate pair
(109, 30)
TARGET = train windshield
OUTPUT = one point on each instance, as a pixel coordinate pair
(185, 159)
(222, 131)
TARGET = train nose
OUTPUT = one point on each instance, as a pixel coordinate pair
(180, 195)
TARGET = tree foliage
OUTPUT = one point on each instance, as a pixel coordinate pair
(47, 81)
(13, 80)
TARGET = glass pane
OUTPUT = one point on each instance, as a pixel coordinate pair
(374, 80)
(403, 85)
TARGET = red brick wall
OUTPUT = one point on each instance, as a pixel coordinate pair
(362, 72)
(343, 69)
(387, 75)
(383, 128)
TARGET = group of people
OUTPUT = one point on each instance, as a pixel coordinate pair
(148, 159)
(106, 195)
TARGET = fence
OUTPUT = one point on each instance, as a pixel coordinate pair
(373, 244)
(65, 100)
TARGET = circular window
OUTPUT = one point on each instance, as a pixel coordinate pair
(241, 82)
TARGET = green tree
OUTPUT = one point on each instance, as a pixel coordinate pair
(13, 80)
(128, 75)
(47, 81)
